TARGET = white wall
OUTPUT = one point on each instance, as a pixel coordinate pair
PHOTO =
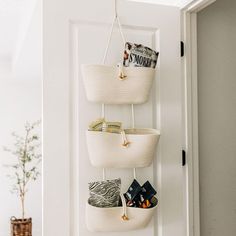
(20, 101)
(217, 118)
(27, 57)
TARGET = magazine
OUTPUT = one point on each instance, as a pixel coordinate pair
(137, 55)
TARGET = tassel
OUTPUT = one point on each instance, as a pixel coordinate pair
(122, 76)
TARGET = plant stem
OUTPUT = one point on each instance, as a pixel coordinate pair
(24, 173)
(23, 206)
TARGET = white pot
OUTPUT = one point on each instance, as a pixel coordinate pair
(110, 219)
(106, 149)
(102, 84)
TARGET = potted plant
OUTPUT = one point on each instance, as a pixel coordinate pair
(24, 169)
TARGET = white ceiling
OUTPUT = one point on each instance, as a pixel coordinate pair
(176, 3)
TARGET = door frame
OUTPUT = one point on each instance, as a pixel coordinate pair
(190, 106)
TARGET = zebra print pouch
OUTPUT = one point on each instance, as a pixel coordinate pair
(105, 193)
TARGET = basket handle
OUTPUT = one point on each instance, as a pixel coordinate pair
(116, 18)
(124, 138)
(124, 215)
(103, 114)
(124, 208)
(125, 142)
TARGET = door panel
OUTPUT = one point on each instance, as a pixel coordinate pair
(89, 50)
(78, 34)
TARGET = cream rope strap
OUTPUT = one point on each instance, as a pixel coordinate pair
(116, 18)
(121, 75)
(124, 213)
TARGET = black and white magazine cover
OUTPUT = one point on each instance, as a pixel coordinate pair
(137, 55)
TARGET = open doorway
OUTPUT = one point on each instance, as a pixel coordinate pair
(216, 49)
(209, 33)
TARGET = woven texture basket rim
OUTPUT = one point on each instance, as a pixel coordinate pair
(15, 220)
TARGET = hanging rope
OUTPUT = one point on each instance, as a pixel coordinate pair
(133, 125)
(122, 76)
(120, 28)
(124, 213)
(103, 110)
(116, 8)
(109, 41)
(134, 173)
(116, 17)
(104, 174)
(118, 21)
(133, 115)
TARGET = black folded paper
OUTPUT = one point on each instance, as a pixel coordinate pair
(140, 196)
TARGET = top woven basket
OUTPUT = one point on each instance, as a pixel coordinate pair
(103, 85)
(117, 84)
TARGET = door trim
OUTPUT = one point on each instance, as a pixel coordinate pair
(190, 86)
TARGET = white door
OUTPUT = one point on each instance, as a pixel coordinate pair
(76, 32)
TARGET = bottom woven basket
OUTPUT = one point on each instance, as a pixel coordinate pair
(21, 227)
(110, 219)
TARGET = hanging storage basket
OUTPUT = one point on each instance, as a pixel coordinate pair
(117, 84)
(103, 85)
(107, 150)
(111, 219)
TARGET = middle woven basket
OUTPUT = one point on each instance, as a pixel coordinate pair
(106, 150)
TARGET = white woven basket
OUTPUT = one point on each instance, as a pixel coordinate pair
(117, 84)
(110, 219)
(102, 84)
(106, 149)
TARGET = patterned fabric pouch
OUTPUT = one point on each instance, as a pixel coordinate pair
(105, 193)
